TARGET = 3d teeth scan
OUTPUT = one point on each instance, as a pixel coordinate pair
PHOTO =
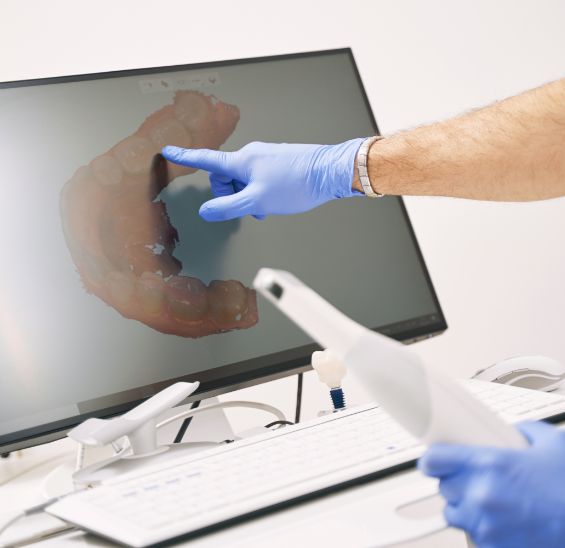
(120, 235)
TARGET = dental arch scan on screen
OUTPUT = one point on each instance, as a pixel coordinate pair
(114, 281)
(120, 235)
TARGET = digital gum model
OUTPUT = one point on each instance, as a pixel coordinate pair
(121, 238)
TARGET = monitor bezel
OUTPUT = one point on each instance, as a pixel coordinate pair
(238, 375)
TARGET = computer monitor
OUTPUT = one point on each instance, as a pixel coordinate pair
(112, 286)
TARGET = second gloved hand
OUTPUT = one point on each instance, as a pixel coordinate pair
(505, 498)
(264, 179)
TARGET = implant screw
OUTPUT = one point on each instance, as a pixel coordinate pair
(338, 398)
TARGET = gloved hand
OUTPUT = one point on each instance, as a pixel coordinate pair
(505, 497)
(271, 179)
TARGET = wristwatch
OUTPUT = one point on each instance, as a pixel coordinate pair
(362, 156)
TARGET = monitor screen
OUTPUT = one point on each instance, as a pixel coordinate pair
(112, 285)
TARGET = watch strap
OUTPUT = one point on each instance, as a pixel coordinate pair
(362, 160)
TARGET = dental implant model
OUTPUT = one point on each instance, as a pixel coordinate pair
(331, 371)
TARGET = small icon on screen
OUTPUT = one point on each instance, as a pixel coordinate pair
(190, 81)
(147, 86)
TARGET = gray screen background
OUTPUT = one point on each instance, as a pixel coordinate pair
(60, 346)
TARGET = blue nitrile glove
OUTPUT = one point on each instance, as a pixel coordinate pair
(505, 497)
(271, 179)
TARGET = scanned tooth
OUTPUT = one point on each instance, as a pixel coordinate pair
(162, 173)
(139, 234)
(142, 225)
(171, 132)
(150, 292)
(141, 258)
(107, 170)
(122, 287)
(228, 301)
(95, 270)
(187, 297)
(195, 111)
(135, 154)
(168, 265)
(227, 116)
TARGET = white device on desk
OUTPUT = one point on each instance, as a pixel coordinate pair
(429, 405)
(138, 425)
(535, 372)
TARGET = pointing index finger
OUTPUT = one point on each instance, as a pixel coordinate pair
(215, 161)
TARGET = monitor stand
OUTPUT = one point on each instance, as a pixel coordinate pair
(212, 426)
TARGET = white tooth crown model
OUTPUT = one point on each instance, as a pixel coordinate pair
(429, 405)
(331, 371)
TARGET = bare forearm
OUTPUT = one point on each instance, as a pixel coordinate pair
(513, 150)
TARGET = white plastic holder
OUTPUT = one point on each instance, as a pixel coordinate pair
(138, 424)
(102, 462)
(143, 441)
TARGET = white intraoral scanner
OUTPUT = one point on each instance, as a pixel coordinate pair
(431, 406)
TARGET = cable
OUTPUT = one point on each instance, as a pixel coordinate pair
(37, 509)
(11, 521)
(185, 424)
(298, 398)
(253, 405)
(41, 536)
(281, 423)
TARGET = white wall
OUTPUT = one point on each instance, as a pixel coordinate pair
(498, 268)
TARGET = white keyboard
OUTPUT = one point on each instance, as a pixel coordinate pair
(189, 494)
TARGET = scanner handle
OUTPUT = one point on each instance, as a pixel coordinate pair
(429, 405)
